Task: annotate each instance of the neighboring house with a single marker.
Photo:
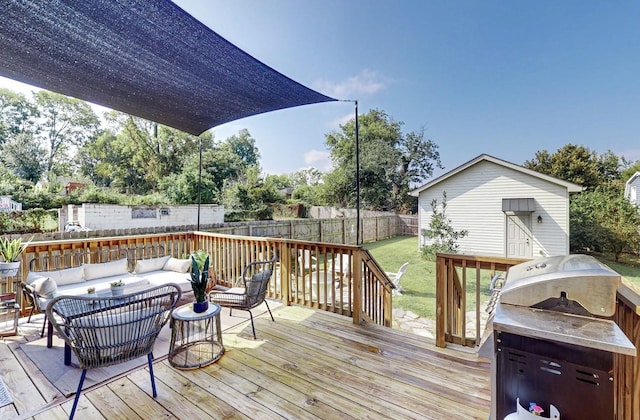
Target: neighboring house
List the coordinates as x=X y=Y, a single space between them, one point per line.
x=508 y=210
x=7 y=204
x=632 y=188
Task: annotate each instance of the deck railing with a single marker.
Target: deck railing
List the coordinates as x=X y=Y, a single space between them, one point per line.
x=317 y=275
x=461 y=277
x=462 y=283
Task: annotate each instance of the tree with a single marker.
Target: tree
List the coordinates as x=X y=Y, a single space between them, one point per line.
x=389 y=163
x=17 y=115
x=134 y=155
x=66 y=123
x=603 y=220
x=579 y=165
x=24 y=156
x=248 y=197
x=440 y=231
x=243 y=146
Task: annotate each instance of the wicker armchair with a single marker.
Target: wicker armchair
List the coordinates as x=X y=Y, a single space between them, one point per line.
x=104 y=331
x=255 y=277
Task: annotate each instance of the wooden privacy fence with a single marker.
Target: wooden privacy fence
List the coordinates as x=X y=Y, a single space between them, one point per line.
x=337 y=230
x=343 y=279
x=461 y=278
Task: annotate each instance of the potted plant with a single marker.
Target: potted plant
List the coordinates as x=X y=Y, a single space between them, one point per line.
x=199 y=279
x=117 y=288
x=10 y=251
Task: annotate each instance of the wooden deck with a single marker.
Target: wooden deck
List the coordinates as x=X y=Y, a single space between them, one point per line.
x=308 y=364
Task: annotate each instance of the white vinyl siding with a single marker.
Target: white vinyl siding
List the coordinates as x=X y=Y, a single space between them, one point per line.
x=474 y=203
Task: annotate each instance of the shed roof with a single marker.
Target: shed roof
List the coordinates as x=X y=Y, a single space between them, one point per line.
x=147 y=58
x=570 y=186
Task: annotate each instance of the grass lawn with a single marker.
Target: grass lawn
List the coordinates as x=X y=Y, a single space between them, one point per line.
x=419 y=281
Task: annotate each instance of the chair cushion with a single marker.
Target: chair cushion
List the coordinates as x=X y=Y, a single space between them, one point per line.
x=107 y=269
x=177 y=265
x=109 y=334
x=257 y=281
x=44 y=286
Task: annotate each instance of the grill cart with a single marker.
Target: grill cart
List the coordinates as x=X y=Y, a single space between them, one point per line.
x=554 y=340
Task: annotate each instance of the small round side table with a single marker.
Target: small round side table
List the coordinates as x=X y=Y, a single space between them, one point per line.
x=196 y=338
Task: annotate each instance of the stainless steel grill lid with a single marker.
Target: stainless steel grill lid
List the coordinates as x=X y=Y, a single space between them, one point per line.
x=578 y=278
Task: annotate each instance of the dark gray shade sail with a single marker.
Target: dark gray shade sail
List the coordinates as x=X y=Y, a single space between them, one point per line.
x=147 y=58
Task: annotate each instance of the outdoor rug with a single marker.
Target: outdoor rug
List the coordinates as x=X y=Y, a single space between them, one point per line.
x=50 y=361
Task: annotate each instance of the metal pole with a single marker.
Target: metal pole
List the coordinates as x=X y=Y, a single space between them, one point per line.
x=199 y=183
x=358 y=241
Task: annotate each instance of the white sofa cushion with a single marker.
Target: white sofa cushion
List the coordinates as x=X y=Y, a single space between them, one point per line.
x=103 y=285
x=107 y=269
x=152 y=264
x=158 y=278
x=61 y=277
x=178 y=265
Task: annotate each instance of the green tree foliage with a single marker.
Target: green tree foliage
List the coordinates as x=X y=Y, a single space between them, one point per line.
x=390 y=162
x=24 y=156
x=66 y=123
x=603 y=220
x=578 y=164
x=17 y=114
x=135 y=155
x=443 y=237
x=244 y=147
x=249 y=197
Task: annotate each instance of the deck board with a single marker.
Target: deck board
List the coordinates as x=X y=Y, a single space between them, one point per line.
x=306 y=365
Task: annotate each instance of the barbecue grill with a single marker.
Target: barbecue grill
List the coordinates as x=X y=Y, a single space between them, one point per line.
x=554 y=340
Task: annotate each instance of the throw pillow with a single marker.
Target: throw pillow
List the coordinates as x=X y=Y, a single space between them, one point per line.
x=177 y=265
x=34 y=275
x=107 y=269
x=68 y=276
x=152 y=264
x=44 y=286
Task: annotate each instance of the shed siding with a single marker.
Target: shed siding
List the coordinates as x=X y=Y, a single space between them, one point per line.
x=474 y=203
x=634 y=191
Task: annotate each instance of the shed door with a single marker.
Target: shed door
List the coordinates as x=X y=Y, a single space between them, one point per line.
x=518 y=236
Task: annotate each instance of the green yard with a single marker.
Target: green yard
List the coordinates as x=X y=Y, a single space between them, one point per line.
x=419 y=281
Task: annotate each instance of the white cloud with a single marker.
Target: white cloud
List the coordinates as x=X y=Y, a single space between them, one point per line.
x=336 y=123
x=367 y=82
x=319 y=159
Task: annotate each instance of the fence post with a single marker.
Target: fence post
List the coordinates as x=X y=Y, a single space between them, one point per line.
x=441 y=285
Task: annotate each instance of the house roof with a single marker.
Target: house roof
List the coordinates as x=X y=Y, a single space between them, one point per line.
x=570 y=186
x=147 y=58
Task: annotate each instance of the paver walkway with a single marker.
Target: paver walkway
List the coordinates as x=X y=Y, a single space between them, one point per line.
x=426 y=327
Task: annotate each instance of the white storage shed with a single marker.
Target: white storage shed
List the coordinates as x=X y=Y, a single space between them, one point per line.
x=508 y=210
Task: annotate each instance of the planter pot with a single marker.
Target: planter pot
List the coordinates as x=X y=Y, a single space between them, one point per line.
x=9 y=268
x=200 y=306
x=117 y=290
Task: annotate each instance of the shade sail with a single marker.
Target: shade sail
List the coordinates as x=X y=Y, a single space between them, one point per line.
x=147 y=58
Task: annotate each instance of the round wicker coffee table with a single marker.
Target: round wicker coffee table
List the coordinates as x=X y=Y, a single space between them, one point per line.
x=196 y=338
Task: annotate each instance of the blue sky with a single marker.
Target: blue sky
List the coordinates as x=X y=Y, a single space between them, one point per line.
x=499 y=77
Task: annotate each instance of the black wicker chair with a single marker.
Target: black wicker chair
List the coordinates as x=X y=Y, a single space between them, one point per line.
x=255 y=277
x=104 y=331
